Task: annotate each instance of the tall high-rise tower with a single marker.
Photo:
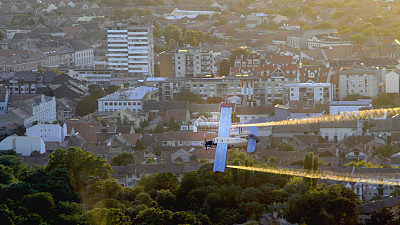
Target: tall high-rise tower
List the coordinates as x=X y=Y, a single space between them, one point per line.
x=131 y=48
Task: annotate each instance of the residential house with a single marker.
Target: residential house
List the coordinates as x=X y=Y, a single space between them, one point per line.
x=24 y=110
x=367 y=209
x=181 y=156
x=131 y=98
x=338 y=130
x=299 y=38
x=183 y=138
x=365 y=144
x=26 y=82
x=348 y=107
x=50 y=8
x=130 y=175
x=291 y=130
x=23 y=145
x=127 y=142
x=246 y=114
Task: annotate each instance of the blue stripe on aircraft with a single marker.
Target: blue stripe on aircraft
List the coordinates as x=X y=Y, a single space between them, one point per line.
x=223 y=131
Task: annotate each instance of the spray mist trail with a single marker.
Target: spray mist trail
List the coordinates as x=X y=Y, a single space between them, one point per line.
x=327 y=175
x=350 y=116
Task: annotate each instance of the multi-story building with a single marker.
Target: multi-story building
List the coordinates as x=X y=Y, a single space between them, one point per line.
x=193 y=62
x=26 y=109
x=84 y=56
x=26 y=82
x=309 y=93
x=362 y=81
x=131 y=98
x=131 y=48
x=299 y=38
x=101 y=77
x=328 y=41
x=57 y=53
x=21 y=60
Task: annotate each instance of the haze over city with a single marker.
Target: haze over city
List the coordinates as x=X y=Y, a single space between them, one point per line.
x=199 y=112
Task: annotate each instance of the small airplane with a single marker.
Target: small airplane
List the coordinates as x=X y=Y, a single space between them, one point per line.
x=223 y=141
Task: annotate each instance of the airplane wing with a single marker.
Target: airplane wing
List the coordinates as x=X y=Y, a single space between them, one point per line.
x=223 y=131
x=251 y=144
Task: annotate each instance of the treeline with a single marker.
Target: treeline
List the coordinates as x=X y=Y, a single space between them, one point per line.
x=76 y=187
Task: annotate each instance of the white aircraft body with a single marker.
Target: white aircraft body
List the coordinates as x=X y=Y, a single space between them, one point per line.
x=223 y=141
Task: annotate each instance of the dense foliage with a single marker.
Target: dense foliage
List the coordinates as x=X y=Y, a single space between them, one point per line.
x=76 y=187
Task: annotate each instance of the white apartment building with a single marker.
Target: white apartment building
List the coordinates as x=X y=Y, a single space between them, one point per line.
x=45 y=109
x=308 y=92
x=193 y=62
x=131 y=48
x=360 y=81
x=131 y=98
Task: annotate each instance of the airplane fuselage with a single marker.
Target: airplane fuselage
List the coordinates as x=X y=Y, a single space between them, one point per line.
x=232 y=142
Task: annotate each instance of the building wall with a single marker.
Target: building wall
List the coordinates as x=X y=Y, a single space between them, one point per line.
x=329 y=133
x=392 y=82
x=167 y=67
x=48 y=132
x=3 y=100
x=84 y=58
x=304 y=92
x=23 y=145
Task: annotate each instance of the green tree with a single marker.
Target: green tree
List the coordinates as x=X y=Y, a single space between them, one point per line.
x=186 y=95
x=159 y=181
x=214 y=100
x=285 y=147
x=289 y=12
x=165 y=199
x=383 y=217
x=324 y=25
x=6 y=175
x=43 y=199
x=159 y=128
x=138 y=145
x=80 y=166
x=173 y=125
x=237 y=52
x=171 y=32
x=123 y=159
x=100 y=216
x=45 y=90
x=382 y=100
x=325 y=205
x=224 y=68
x=358 y=39
x=193 y=37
